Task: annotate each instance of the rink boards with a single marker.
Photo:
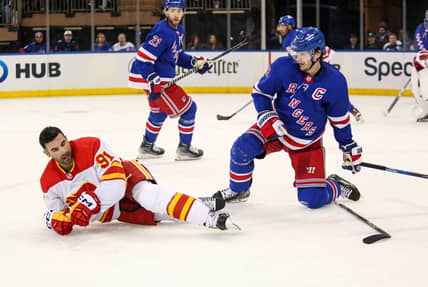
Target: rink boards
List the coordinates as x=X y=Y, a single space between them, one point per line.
x=33 y=75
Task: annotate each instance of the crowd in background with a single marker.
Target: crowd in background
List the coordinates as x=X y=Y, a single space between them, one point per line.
x=102 y=44
x=382 y=39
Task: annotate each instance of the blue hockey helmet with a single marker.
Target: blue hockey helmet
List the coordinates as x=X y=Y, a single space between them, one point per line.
x=287 y=20
x=174 y=3
x=308 y=39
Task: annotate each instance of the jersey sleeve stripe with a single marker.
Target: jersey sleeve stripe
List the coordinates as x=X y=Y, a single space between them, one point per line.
x=117 y=164
x=340 y=122
x=256 y=90
x=145 y=56
x=112 y=176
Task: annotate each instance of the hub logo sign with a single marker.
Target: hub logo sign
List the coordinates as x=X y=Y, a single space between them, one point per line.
x=3 y=71
x=33 y=70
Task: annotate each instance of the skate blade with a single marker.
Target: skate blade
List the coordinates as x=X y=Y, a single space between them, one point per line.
x=186 y=158
x=148 y=156
x=230 y=225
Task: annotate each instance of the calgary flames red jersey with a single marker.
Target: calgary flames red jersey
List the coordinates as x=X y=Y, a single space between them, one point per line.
x=95 y=168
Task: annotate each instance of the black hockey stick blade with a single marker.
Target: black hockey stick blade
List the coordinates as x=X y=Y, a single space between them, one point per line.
x=223 y=118
x=375 y=238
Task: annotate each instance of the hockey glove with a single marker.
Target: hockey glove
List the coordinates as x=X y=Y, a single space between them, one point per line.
x=421 y=60
x=351 y=157
x=270 y=124
x=59 y=220
x=87 y=204
x=155 y=86
x=201 y=65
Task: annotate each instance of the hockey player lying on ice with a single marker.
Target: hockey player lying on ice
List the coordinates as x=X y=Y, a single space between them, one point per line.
x=85 y=181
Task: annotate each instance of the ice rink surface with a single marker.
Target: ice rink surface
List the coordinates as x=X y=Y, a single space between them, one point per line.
x=282 y=243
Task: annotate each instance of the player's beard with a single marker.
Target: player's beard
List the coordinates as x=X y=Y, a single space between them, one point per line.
x=66 y=160
x=174 y=21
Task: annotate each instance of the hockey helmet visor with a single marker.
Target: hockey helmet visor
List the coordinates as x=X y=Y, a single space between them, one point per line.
x=307 y=39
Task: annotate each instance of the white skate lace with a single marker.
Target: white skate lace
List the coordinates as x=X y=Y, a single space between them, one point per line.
x=211 y=220
x=346 y=192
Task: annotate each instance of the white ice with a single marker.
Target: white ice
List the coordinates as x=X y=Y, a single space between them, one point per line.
x=282 y=243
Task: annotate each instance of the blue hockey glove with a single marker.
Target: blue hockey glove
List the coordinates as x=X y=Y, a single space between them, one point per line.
x=155 y=86
x=352 y=157
x=270 y=124
x=201 y=65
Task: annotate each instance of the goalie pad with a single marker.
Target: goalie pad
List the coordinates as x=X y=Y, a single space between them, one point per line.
x=419 y=81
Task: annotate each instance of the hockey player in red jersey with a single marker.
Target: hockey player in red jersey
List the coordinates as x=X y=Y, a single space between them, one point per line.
x=85 y=181
x=154 y=66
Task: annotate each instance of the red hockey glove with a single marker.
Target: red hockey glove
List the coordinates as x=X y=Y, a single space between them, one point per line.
x=87 y=204
x=59 y=221
x=155 y=86
x=352 y=157
x=201 y=65
x=270 y=124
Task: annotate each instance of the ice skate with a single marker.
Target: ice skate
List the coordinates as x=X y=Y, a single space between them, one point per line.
x=231 y=196
x=220 y=221
x=213 y=203
x=358 y=116
x=148 y=150
x=349 y=190
x=423 y=119
x=188 y=152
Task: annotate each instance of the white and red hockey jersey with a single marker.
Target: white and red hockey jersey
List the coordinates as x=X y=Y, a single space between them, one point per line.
x=95 y=168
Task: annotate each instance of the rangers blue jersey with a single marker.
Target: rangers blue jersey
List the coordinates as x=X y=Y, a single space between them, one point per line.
x=421 y=37
x=35 y=47
x=304 y=103
x=160 y=53
x=288 y=39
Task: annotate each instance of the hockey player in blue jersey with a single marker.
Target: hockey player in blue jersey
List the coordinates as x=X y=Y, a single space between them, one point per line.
x=286 y=28
x=421 y=34
x=154 y=66
x=294 y=100
x=419 y=75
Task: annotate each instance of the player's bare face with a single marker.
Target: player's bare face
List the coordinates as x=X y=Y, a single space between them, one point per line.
x=282 y=29
x=174 y=16
x=60 y=150
x=303 y=59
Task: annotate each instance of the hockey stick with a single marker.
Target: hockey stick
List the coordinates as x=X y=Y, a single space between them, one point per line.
x=384 y=168
x=220 y=117
x=371 y=238
x=184 y=75
x=397 y=97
